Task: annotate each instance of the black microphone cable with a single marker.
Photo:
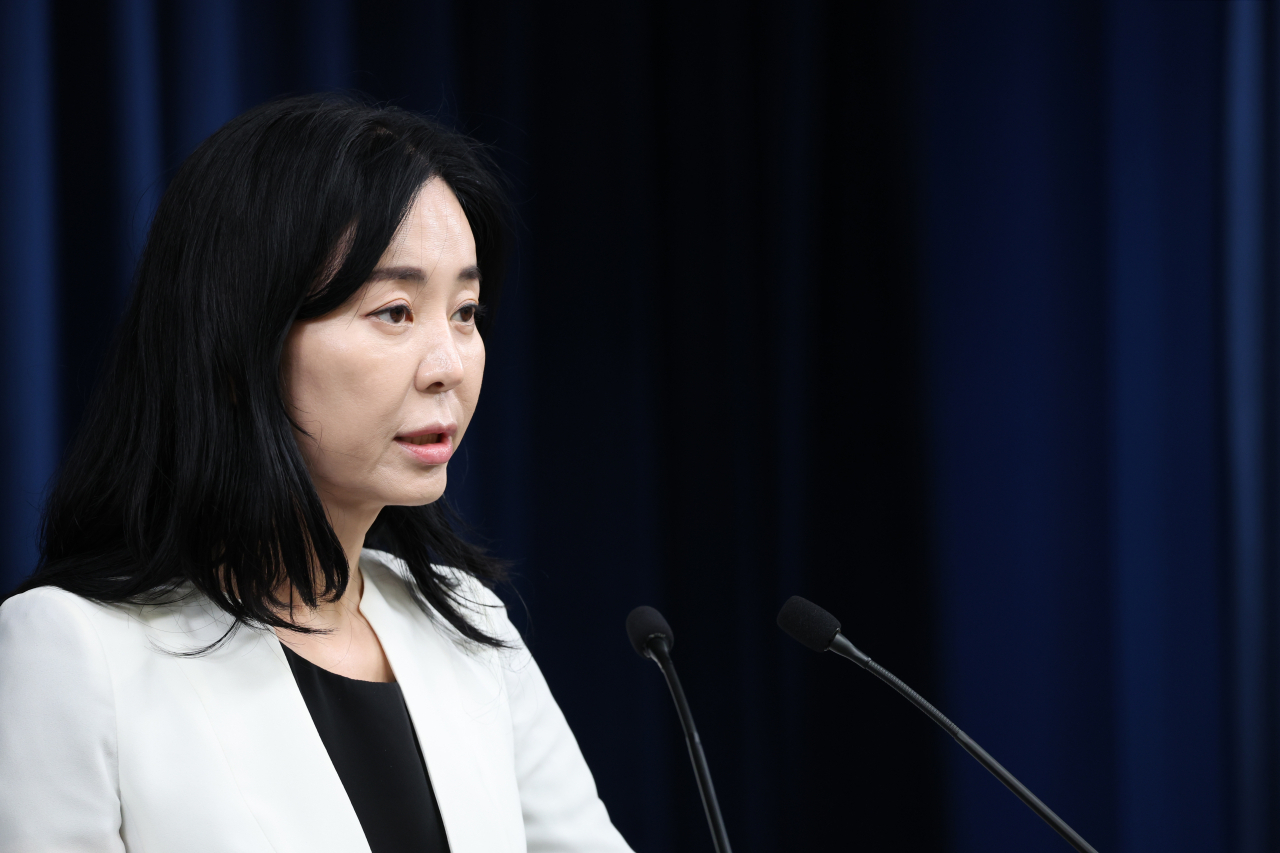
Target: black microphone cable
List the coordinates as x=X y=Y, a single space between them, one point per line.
x=651 y=637
x=815 y=628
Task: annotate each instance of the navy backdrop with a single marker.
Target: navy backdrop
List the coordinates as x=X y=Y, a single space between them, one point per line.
x=960 y=319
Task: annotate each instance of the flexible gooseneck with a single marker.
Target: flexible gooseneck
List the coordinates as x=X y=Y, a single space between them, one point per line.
x=817 y=629
x=660 y=654
x=652 y=638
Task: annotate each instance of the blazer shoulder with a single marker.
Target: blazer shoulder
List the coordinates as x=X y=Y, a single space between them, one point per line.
x=53 y=617
x=47 y=630
x=58 y=741
x=51 y=610
x=42 y=597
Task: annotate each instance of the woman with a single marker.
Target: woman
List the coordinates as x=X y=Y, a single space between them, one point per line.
x=208 y=657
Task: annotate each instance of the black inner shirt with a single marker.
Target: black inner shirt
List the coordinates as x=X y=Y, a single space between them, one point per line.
x=366 y=728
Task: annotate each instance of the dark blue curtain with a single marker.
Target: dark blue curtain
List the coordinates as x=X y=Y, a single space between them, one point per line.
x=27 y=227
x=960 y=319
x=1251 y=306
x=1080 y=403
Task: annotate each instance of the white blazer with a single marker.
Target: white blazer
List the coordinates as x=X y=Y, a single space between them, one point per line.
x=110 y=742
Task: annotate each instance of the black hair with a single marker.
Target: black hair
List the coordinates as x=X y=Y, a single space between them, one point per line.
x=185 y=468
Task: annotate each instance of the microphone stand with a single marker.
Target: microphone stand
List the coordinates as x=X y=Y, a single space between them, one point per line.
x=657 y=649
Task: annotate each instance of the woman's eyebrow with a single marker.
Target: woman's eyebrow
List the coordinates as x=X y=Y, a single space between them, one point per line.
x=471 y=273
x=397 y=274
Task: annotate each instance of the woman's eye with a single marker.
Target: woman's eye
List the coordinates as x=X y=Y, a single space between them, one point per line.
x=466 y=314
x=395 y=314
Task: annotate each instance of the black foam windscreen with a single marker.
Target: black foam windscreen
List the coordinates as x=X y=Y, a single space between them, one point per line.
x=808 y=623
x=645 y=622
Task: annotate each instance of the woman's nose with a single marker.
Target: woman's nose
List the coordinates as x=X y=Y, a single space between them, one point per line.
x=441 y=367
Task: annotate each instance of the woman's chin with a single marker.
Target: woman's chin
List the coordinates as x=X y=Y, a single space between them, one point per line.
x=421 y=494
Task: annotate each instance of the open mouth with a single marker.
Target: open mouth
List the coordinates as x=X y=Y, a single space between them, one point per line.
x=429 y=438
x=429 y=448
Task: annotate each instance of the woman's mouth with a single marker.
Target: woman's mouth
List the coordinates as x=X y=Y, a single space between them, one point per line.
x=430 y=448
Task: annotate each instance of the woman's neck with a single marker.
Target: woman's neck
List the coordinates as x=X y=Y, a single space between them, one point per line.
x=329 y=614
x=343 y=640
x=351 y=523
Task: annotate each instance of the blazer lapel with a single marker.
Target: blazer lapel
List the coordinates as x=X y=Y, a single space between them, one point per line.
x=280 y=764
x=457 y=701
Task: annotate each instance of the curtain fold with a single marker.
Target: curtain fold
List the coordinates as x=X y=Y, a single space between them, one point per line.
x=32 y=316
x=1170 y=672
x=1251 y=315
x=137 y=106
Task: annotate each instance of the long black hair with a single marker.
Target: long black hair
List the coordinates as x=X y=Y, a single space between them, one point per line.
x=185 y=468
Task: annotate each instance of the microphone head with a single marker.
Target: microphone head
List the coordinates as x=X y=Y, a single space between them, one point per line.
x=808 y=624
x=643 y=623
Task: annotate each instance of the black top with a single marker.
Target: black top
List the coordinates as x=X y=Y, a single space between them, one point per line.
x=366 y=728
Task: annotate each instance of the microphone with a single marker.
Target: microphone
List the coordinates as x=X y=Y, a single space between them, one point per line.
x=651 y=637
x=817 y=629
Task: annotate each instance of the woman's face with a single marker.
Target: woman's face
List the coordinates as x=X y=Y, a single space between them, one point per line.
x=385 y=386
